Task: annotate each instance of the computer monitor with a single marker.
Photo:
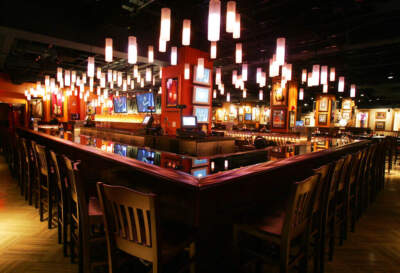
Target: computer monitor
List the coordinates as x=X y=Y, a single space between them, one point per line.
x=189 y=122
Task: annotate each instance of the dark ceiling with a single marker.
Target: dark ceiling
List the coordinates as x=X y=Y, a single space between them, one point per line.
x=361 y=38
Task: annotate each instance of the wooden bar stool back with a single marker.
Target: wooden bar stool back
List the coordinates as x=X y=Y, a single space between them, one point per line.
x=132 y=225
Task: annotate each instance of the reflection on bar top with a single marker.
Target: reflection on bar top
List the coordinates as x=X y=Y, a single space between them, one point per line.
x=204 y=165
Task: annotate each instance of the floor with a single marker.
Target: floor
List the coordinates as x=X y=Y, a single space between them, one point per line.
x=26 y=245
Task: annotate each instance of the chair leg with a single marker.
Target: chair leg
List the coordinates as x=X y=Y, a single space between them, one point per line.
x=50 y=208
x=332 y=238
x=40 y=204
x=192 y=254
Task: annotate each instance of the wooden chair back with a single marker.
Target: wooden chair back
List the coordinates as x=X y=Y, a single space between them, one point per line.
x=57 y=175
x=300 y=206
x=25 y=151
x=344 y=174
x=43 y=164
x=355 y=167
x=70 y=171
x=322 y=188
x=130 y=219
x=336 y=174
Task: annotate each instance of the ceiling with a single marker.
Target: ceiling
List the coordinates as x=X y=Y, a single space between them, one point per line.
x=361 y=38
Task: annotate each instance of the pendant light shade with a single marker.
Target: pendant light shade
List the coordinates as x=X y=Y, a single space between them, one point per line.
x=332 y=74
x=341 y=84
x=103 y=81
x=200 y=68
x=353 y=91
x=301 y=94
x=221 y=89
x=47 y=80
x=73 y=76
x=98 y=73
x=324 y=74
x=218 y=75
x=310 y=79
x=288 y=73
x=186 y=32
x=174 y=55
x=315 y=75
x=141 y=82
x=263 y=79
x=213 y=50
x=261 y=95
x=150 y=54
x=244 y=93
x=160 y=72
x=244 y=72
x=230 y=16
x=228 y=97
x=214 y=94
x=304 y=75
x=214 y=20
x=325 y=88
x=109 y=50
x=132 y=84
x=119 y=79
x=258 y=75
x=187 y=72
x=236 y=29
x=59 y=74
x=67 y=79
x=90 y=67
x=148 y=74
x=132 y=50
x=165 y=32
x=280 y=51
x=238 y=57
x=162 y=45
x=234 y=77
x=135 y=71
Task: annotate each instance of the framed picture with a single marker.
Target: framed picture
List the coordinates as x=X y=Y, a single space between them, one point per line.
x=279 y=97
x=205 y=80
x=346 y=115
x=346 y=105
x=199 y=162
x=36 y=107
x=380 y=115
x=201 y=95
x=307 y=122
x=323 y=105
x=240 y=118
x=172 y=92
x=323 y=119
x=201 y=112
x=57 y=106
x=380 y=125
x=279 y=119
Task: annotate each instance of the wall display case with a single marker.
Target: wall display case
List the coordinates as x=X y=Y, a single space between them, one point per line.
x=201 y=95
x=323 y=105
x=322 y=119
x=380 y=115
x=380 y=125
x=172 y=92
x=279 y=118
x=36 y=108
x=205 y=80
x=202 y=113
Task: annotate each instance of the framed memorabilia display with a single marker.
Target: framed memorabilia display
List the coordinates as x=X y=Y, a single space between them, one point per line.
x=380 y=115
x=346 y=105
x=57 y=106
x=36 y=107
x=199 y=162
x=307 y=122
x=172 y=92
x=279 y=119
x=120 y=104
x=380 y=125
x=292 y=119
x=323 y=105
x=240 y=118
x=323 y=119
x=201 y=112
x=201 y=95
x=363 y=120
x=279 y=97
x=346 y=115
x=205 y=80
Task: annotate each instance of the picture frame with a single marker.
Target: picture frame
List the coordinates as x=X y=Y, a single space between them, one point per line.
x=36 y=108
x=323 y=105
x=172 y=92
x=346 y=115
x=346 y=105
x=278 y=118
x=205 y=80
x=201 y=95
x=307 y=121
x=240 y=118
x=380 y=125
x=202 y=113
x=322 y=119
x=279 y=97
x=57 y=106
x=380 y=115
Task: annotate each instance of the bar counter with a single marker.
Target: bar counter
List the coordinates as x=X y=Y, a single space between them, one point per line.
x=209 y=204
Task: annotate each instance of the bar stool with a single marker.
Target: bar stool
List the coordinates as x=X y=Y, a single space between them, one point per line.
x=36 y=173
x=353 y=187
x=44 y=186
x=61 y=203
x=84 y=216
x=27 y=170
x=286 y=229
x=132 y=225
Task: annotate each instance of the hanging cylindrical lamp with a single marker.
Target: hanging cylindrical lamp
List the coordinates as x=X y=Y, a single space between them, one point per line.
x=90 y=67
x=148 y=74
x=109 y=50
x=161 y=72
x=230 y=16
x=98 y=74
x=162 y=45
x=288 y=69
x=141 y=82
x=228 y=97
x=214 y=20
x=325 y=88
x=73 y=76
x=301 y=94
x=280 y=50
x=218 y=75
x=119 y=79
x=234 y=77
x=187 y=72
x=67 y=77
x=315 y=74
x=109 y=75
x=165 y=32
x=186 y=32
x=132 y=50
x=324 y=74
x=236 y=27
x=238 y=54
x=200 y=68
x=244 y=72
x=214 y=94
x=150 y=54
x=258 y=75
x=132 y=84
x=174 y=55
x=309 y=79
x=244 y=93
x=47 y=80
x=260 y=95
x=115 y=76
x=135 y=71
x=263 y=79
x=304 y=75
x=84 y=78
x=59 y=74
x=124 y=86
x=332 y=74
x=341 y=84
x=353 y=91
x=213 y=50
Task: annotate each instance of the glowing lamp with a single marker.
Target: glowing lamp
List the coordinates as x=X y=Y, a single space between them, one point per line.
x=59 y=74
x=187 y=71
x=200 y=67
x=174 y=55
x=301 y=94
x=214 y=20
x=213 y=50
x=280 y=50
x=325 y=88
x=244 y=93
x=238 y=56
x=162 y=45
x=119 y=79
x=67 y=77
x=109 y=50
x=214 y=94
x=332 y=74
x=228 y=97
x=234 y=77
x=341 y=84
x=132 y=50
x=304 y=75
x=150 y=54
x=324 y=74
x=186 y=32
x=244 y=72
x=236 y=30
x=47 y=80
x=165 y=32
x=90 y=67
x=258 y=75
x=218 y=75
x=148 y=74
x=230 y=16
x=261 y=95
x=309 y=79
x=315 y=75
x=353 y=91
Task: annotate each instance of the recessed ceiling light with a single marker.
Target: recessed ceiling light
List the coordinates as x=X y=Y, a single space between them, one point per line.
x=390 y=77
x=362 y=95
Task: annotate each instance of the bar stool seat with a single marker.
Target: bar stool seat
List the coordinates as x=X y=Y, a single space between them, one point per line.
x=271 y=224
